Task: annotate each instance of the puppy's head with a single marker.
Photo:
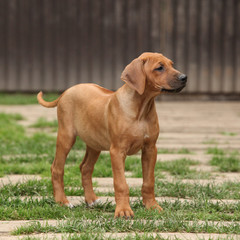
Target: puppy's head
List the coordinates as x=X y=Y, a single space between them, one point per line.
x=155 y=72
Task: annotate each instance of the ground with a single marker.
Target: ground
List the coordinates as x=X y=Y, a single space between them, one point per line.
x=197 y=178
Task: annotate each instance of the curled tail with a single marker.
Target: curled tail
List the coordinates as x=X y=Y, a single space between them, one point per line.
x=45 y=103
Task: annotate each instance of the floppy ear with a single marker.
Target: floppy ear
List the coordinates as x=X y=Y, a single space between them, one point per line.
x=134 y=76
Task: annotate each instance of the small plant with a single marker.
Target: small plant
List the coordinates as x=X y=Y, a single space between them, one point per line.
x=215 y=151
x=226 y=164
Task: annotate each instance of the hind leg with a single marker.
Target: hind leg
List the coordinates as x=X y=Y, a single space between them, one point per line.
x=86 y=168
x=65 y=141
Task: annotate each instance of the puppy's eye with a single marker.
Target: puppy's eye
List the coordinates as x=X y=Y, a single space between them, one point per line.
x=160 y=69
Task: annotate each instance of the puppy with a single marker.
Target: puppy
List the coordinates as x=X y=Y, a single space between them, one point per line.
x=122 y=122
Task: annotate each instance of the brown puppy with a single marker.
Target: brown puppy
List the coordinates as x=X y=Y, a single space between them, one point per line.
x=123 y=122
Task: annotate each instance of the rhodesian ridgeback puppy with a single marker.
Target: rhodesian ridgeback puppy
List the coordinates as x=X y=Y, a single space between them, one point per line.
x=122 y=122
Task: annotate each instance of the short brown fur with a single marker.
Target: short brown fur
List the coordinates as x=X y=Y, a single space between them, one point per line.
x=122 y=122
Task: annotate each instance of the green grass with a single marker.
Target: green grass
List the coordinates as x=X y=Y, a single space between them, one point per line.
x=24 y=99
x=101 y=225
x=210 y=141
x=34 y=154
x=43 y=123
x=232 y=134
x=180 y=151
x=102 y=236
x=215 y=151
x=46 y=208
x=226 y=163
x=179 y=189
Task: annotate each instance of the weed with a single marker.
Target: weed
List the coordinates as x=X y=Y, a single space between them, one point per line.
x=226 y=164
x=229 y=134
x=180 y=151
x=23 y=99
x=43 y=123
x=215 y=151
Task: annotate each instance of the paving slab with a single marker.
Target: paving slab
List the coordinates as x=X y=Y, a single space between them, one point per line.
x=13 y=179
x=166 y=235
x=77 y=200
x=6 y=227
x=200 y=157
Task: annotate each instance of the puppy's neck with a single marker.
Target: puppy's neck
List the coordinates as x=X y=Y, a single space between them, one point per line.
x=135 y=105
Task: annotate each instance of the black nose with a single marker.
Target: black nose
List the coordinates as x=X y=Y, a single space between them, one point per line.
x=182 y=78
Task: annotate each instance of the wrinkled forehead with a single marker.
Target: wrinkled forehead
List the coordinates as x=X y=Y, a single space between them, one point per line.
x=157 y=58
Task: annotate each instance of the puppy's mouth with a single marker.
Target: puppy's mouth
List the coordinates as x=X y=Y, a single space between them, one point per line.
x=175 y=90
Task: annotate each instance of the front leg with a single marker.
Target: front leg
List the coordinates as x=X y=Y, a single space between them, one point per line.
x=149 y=157
x=123 y=208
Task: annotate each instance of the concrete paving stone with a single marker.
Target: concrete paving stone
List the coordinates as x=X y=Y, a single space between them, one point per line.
x=202 y=158
x=165 y=235
x=31 y=113
x=13 y=179
x=199 y=135
x=9 y=226
x=197 y=146
x=137 y=182
x=77 y=200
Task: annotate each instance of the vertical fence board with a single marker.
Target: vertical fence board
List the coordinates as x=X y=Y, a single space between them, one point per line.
x=156 y=26
x=24 y=45
x=121 y=15
x=96 y=43
x=71 y=43
x=49 y=21
x=36 y=28
x=216 y=46
x=12 y=78
x=236 y=48
x=228 y=60
x=204 y=47
x=131 y=19
x=84 y=41
x=181 y=30
x=192 y=46
x=3 y=51
x=108 y=21
x=170 y=29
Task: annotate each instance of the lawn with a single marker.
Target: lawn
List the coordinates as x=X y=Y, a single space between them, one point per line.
x=23 y=153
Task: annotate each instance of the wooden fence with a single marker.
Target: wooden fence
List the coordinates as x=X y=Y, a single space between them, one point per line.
x=53 y=44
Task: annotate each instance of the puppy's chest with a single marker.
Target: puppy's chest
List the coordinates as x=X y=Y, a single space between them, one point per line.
x=140 y=134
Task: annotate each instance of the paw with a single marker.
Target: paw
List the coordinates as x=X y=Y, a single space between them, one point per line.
x=94 y=203
x=153 y=205
x=123 y=212
x=70 y=205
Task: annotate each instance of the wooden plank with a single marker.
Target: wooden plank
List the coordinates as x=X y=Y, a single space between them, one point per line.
x=12 y=40
x=71 y=43
x=163 y=20
x=228 y=44
x=181 y=34
x=216 y=46
x=24 y=46
x=84 y=44
x=170 y=28
x=96 y=42
x=122 y=12
x=108 y=44
x=157 y=26
x=3 y=52
x=49 y=24
x=204 y=47
x=131 y=15
x=36 y=77
x=193 y=41
x=61 y=49
x=236 y=66
x=144 y=27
